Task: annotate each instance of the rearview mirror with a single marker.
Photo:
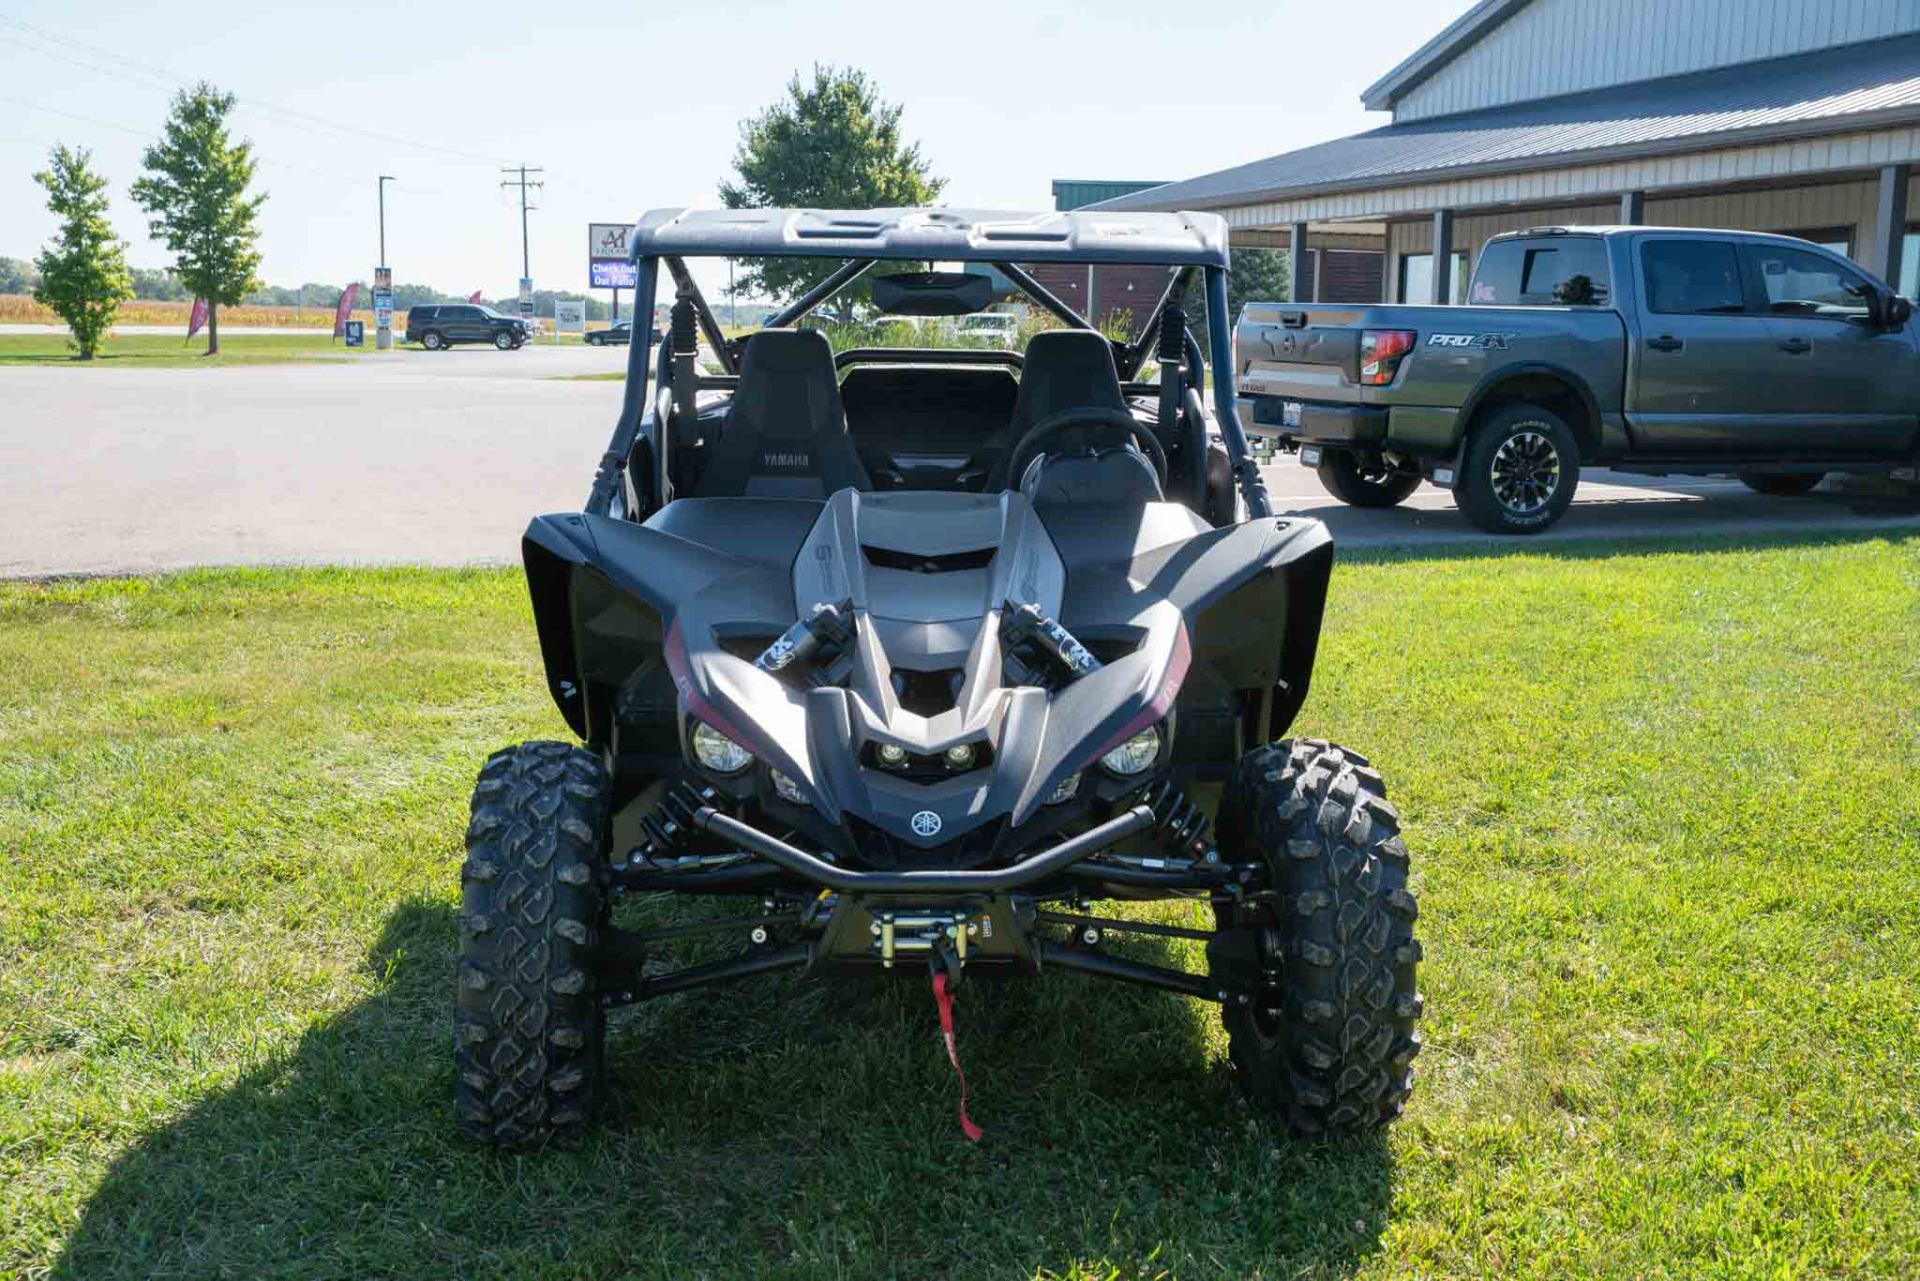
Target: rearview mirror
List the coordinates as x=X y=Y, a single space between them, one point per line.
x=932 y=293
x=1895 y=312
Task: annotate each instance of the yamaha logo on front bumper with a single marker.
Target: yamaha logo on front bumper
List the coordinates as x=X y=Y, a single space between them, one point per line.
x=926 y=823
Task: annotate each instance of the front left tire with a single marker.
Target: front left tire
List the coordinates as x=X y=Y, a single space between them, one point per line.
x=505 y=342
x=1327 y=1044
x=530 y=1030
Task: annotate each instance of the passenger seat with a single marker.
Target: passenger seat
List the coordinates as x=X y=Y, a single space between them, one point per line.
x=785 y=435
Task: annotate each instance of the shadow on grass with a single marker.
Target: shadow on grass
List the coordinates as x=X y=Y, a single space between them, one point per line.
x=778 y=1128
x=1601 y=547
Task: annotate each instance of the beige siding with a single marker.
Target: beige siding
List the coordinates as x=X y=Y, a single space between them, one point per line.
x=1847 y=205
x=1541 y=188
x=1554 y=47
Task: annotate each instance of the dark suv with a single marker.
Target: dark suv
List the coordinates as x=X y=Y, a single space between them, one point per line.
x=443 y=325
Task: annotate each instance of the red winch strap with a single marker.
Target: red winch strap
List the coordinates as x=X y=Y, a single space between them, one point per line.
x=944 y=999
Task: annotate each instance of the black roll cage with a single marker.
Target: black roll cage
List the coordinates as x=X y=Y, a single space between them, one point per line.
x=637 y=407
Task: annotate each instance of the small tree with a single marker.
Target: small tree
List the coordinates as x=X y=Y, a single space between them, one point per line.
x=1256 y=275
x=195 y=192
x=83 y=271
x=832 y=144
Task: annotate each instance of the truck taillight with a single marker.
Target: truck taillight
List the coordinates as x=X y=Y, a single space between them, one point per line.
x=1381 y=351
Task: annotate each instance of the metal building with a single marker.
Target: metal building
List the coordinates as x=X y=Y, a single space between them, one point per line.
x=1796 y=116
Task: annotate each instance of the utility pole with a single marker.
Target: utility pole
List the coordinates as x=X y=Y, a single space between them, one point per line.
x=525 y=184
x=385 y=178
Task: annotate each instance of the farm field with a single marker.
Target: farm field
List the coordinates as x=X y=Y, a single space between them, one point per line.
x=1667 y=841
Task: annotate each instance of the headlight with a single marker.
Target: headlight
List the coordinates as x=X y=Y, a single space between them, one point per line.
x=1135 y=756
x=717 y=752
x=786 y=789
x=1065 y=790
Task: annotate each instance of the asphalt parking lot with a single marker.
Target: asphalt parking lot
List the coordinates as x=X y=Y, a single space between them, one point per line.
x=440 y=458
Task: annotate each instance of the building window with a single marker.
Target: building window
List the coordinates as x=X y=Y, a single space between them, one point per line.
x=1416 y=278
x=1838 y=239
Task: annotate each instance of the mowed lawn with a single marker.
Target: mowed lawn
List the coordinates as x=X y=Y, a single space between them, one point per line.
x=153 y=351
x=1665 y=807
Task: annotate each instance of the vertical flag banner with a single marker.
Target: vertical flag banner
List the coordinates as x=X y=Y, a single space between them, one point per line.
x=344 y=306
x=475 y=297
x=196 y=318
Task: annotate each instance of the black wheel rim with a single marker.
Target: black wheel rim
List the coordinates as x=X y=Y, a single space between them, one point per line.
x=1525 y=472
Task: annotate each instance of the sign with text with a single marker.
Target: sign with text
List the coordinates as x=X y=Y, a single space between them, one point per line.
x=613 y=274
x=607 y=240
x=569 y=316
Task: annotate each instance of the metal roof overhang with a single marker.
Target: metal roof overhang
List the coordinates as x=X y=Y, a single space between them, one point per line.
x=1175 y=239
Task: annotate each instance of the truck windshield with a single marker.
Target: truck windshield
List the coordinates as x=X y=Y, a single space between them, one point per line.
x=1547 y=271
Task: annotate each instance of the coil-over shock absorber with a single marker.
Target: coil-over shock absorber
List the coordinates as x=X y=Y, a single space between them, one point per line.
x=1181 y=824
x=666 y=828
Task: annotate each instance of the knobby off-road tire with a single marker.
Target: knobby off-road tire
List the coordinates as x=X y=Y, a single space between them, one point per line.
x=1328 y=1046
x=1782 y=485
x=529 y=1028
x=1359 y=483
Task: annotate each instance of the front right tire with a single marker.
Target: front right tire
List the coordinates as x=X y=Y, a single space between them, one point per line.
x=530 y=1030
x=1327 y=1044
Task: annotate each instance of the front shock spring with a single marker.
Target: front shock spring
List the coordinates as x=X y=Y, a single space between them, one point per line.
x=1182 y=823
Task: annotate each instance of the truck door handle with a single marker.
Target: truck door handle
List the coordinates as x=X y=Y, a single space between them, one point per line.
x=1665 y=342
x=1796 y=346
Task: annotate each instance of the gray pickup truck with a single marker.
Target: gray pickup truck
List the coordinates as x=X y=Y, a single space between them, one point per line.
x=1645 y=349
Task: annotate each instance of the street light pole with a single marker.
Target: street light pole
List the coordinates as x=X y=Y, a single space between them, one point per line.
x=385 y=178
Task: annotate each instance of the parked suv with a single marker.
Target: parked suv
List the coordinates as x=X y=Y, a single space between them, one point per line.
x=445 y=325
x=1655 y=350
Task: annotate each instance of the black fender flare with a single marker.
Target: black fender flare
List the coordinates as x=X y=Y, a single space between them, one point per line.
x=1589 y=434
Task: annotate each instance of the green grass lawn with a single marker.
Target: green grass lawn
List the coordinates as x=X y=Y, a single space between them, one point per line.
x=150 y=351
x=1665 y=808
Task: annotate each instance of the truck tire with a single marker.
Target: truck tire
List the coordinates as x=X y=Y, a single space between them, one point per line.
x=1782 y=484
x=1357 y=482
x=529 y=1030
x=1519 y=470
x=1327 y=1045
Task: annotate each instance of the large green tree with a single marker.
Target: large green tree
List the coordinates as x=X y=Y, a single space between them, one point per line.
x=831 y=143
x=195 y=192
x=83 y=270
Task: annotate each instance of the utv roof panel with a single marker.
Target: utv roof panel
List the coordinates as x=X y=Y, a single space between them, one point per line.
x=942 y=235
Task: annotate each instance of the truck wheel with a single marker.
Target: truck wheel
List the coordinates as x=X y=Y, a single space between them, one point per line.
x=529 y=1029
x=504 y=342
x=432 y=340
x=1361 y=482
x=1327 y=1044
x=1518 y=472
x=1782 y=485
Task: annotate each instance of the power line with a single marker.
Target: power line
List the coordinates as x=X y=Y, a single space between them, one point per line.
x=153 y=76
x=524 y=184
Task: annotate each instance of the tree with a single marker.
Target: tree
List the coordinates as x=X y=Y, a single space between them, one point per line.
x=1257 y=275
x=83 y=271
x=833 y=143
x=156 y=285
x=196 y=194
x=17 y=276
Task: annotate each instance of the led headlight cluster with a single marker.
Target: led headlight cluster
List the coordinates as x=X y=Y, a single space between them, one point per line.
x=1135 y=756
x=717 y=752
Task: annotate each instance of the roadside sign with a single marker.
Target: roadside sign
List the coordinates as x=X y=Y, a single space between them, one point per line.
x=607 y=240
x=356 y=333
x=526 y=298
x=613 y=273
x=383 y=278
x=569 y=316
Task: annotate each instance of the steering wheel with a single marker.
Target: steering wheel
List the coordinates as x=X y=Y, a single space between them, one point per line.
x=1037 y=437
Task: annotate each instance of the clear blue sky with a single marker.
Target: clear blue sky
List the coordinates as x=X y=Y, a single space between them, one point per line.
x=632 y=106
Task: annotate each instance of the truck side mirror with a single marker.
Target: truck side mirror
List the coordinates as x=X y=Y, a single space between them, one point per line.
x=1895 y=312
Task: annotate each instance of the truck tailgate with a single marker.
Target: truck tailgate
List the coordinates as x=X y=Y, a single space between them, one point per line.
x=1309 y=352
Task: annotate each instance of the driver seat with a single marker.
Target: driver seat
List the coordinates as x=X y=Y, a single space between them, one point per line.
x=1073 y=369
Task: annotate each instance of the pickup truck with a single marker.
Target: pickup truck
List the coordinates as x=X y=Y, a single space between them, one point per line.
x=1646 y=349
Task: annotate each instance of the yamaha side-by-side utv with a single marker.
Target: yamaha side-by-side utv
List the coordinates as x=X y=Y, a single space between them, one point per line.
x=921 y=654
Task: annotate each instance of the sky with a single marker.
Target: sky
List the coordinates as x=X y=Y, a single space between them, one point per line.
x=629 y=107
